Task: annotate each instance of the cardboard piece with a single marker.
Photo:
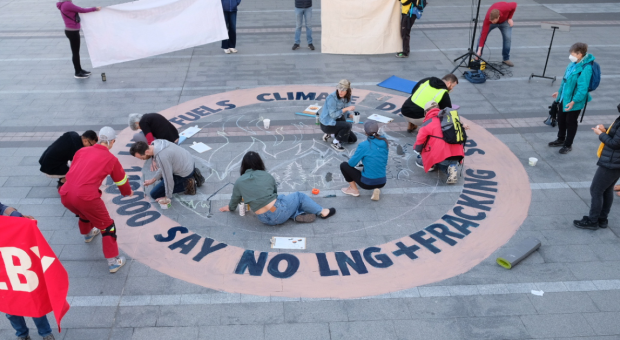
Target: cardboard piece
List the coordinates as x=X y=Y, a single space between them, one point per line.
x=200 y=147
x=312 y=109
x=288 y=242
x=190 y=132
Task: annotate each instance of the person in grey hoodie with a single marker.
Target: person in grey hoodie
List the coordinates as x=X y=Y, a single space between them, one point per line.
x=70 y=14
x=175 y=168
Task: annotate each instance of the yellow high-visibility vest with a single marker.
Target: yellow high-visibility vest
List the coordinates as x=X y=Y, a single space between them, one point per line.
x=426 y=93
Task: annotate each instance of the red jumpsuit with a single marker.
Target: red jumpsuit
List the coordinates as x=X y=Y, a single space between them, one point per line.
x=81 y=194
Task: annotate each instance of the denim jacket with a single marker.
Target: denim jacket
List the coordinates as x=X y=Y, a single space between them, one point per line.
x=332 y=110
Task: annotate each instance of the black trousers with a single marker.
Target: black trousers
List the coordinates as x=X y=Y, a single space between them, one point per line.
x=602 y=192
x=351 y=174
x=406 y=23
x=567 y=124
x=342 y=130
x=74 y=41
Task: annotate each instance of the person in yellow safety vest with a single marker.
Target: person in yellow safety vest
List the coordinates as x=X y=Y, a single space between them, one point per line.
x=427 y=89
x=407 y=19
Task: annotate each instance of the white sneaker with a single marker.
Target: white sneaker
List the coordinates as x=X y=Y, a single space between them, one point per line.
x=227 y=51
x=91 y=235
x=452 y=174
x=326 y=137
x=233 y=50
x=337 y=147
x=375 y=194
x=116 y=264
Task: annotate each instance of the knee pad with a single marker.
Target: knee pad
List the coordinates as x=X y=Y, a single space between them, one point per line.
x=109 y=231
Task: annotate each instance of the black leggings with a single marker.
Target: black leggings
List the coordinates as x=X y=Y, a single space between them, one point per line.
x=342 y=130
x=602 y=192
x=567 y=124
x=74 y=41
x=351 y=174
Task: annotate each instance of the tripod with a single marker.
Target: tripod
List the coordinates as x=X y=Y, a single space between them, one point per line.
x=470 y=53
x=546 y=62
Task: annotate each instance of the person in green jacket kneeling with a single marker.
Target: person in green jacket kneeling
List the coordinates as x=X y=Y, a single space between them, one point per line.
x=573 y=95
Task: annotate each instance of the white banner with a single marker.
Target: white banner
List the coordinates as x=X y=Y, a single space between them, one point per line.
x=145 y=28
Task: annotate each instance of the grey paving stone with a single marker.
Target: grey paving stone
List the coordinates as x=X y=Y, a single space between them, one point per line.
x=302 y=331
x=492 y=327
x=557 y=325
x=606 y=300
x=188 y=315
x=88 y=333
x=431 y=291
x=161 y=333
x=499 y=305
x=250 y=313
x=438 y=307
x=121 y=333
x=604 y=323
x=315 y=311
x=137 y=316
x=232 y=332
x=567 y=302
x=427 y=329
x=376 y=309
x=362 y=330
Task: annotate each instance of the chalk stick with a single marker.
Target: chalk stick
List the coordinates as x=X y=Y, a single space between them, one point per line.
x=512 y=256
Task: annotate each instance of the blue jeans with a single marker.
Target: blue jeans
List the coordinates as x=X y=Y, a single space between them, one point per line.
x=231 y=25
x=290 y=206
x=179 y=186
x=19 y=324
x=302 y=13
x=506 y=36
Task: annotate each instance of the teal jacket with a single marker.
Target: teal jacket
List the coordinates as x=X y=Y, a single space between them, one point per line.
x=577 y=84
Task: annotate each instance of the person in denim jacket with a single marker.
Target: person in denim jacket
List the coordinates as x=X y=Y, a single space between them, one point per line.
x=334 y=115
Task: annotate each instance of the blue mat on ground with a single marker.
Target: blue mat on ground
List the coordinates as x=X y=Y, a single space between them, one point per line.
x=398 y=84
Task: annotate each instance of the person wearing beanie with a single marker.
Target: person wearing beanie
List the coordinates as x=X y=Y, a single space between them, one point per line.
x=153 y=126
x=55 y=159
x=373 y=153
x=81 y=195
x=333 y=117
x=71 y=17
x=427 y=89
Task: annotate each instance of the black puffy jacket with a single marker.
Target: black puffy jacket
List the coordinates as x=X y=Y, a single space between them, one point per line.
x=303 y=3
x=610 y=157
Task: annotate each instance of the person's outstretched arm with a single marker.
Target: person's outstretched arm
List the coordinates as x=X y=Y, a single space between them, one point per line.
x=71 y=7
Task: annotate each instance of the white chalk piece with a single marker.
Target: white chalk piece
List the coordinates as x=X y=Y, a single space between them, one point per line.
x=190 y=132
x=380 y=118
x=538 y=292
x=200 y=147
x=288 y=242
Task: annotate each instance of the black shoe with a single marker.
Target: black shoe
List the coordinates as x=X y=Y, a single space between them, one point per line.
x=310 y=46
x=81 y=75
x=86 y=72
x=565 y=149
x=59 y=184
x=190 y=187
x=557 y=142
x=200 y=180
x=585 y=223
x=332 y=212
x=337 y=147
x=603 y=223
x=295 y=47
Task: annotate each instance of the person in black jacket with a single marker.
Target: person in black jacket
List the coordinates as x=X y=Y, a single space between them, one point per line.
x=55 y=159
x=303 y=9
x=427 y=89
x=153 y=126
x=606 y=176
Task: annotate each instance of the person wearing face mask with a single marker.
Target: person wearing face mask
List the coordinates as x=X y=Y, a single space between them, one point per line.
x=572 y=95
x=333 y=117
x=426 y=90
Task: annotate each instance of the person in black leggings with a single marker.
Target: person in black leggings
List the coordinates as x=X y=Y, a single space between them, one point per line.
x=69 y=13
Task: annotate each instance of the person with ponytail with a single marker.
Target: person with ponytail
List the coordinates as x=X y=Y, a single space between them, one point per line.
x=373 y=153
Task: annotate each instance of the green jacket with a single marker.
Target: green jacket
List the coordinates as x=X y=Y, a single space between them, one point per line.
x=257 y=188
x=577 y=84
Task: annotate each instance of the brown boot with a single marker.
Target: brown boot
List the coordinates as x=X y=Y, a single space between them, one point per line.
x=411 y=127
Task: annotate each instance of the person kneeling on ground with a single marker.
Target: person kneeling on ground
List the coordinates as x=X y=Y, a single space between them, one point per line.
x=258 y=189
x=426 y=90
x=334 y=115
x=176 y=168
x=434 y=150
x=153 y=126
x=607 y=174
x=55 y=159
x=373 y=153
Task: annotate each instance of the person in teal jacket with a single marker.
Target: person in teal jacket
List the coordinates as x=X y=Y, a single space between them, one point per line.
x=373 y=153
x=572 y=95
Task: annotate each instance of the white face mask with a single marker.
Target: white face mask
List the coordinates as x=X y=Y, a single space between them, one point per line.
x=573 y=58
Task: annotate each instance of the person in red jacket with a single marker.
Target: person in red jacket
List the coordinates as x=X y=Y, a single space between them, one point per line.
x=81 y=195
x=434 y=151
x=499 y=16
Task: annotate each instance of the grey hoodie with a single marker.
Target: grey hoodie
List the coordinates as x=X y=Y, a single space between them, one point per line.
x=172 y=160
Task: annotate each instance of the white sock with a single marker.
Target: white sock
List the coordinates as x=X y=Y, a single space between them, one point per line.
x=336 y=141
x=333 y=136
x=111 y=261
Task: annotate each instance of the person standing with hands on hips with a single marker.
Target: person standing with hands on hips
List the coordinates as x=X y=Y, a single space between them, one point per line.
x=334 y=115
x=499 y=16
x=303 y=12
x=230 y=16
x=70 y=15
x=572 y=95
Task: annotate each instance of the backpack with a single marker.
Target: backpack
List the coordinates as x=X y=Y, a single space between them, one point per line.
x=451 y=126
x=595 y=81
x=417 y=8
x=475 y=77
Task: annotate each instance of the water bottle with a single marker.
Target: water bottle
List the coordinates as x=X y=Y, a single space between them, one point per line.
x=317 y=119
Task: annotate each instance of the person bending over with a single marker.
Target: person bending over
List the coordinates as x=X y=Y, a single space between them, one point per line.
x=55 y=159
x=426 y=90
x=499 y=16
x=176 y=168
x=258 y=189
x=373 y=153
x=434 y=150
x=153 y=126
x=81 y=195
x=334 y=115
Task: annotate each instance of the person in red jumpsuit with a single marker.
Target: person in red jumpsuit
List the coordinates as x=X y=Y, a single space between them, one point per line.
x=81 y=195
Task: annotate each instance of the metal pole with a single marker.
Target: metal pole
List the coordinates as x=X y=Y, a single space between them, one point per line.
x=548 y=53
x=473 y=38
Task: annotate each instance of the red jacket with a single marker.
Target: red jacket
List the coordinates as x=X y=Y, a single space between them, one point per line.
x=506 y=11
x=434 y=150
x=89 y=168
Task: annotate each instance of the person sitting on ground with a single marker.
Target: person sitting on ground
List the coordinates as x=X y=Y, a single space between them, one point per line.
x=55 y=159
x=153 y=126
x=434 y=151
x=426 y=90
x=373 y=153
x=258 y=188
x=176 y=168
x=607 y=174
x=334 y=115
x=499 y=16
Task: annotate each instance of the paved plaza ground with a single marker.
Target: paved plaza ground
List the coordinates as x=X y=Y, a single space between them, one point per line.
x=578 y=270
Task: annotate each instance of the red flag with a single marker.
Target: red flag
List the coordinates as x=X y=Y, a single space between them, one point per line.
x=33 y=282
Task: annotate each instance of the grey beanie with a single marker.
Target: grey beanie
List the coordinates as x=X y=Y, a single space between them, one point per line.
x=371 y=127
x=343 y=85
x=107 y=134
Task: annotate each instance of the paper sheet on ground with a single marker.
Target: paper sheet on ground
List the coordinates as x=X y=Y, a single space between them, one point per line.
x=288 y=242
x=200 y=147
x=360 y=26
x=380 y=118
x=141 y=29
